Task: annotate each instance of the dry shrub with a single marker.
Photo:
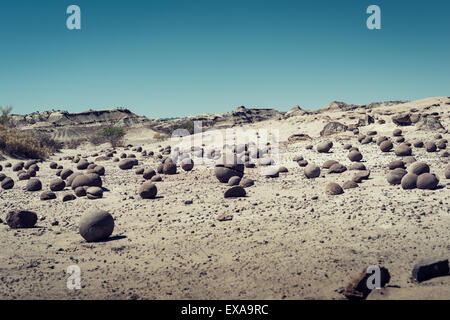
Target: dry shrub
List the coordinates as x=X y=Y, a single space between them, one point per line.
x=74 y=143
x=26 y=145
x=160 y=136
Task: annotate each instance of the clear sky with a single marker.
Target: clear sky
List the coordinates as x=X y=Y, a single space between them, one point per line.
x=170 y=58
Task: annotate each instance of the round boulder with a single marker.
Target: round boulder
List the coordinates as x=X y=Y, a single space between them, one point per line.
x=7 y=183
x=324 y=147
x=34 y=185
x=333 y=189
x=312 y=171
x=96 y=225
x=21 y=219
x=235 y=192
x=355 y=156
x=57 y=185
x=409 y=181
x=427 y=181
x=148 y=190
x=418 y=168
x=48 y=195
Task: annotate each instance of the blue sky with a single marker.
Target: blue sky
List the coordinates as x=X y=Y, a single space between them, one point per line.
x=175 y=58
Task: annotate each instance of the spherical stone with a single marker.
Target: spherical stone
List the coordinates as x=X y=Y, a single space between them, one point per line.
x=427 y=181
x=48 y=195
x=2 y=176
x=235 y=192
x=312 y=171
x=396 y=164
x=80 y=191
x=57 y=185
x=234 y=181
x=18 y=166
x=21 y=219
x=337 y=168
x=441 y=144
x=409 y=181
x=100 y=170
x=148 y=174
x=382 y=139
x=418 y=144
x=372 y=133
x=324 y=147
x=360 y=176
x=65 y=173
x=68 y=197
x=127 y=164
x=72 y=177
x=94 y=193
x=34 y=185
x=223 y=174
x=297 y=158
x=139 y=171
x=355 y=156
x=447 y=172
x=82 y=165
x=283 y=169
x=156 y=178
x=418 y=168
x=160 y=168
x=96 y=225
x=24 y=176
x=357 y=166
x=333 y=189
x=397 y=133
x=31 y=172
x=395 y=176
x=169 y=167
x=438 y=136
x=349 y=185
x=302 y=163
x=367 y=140
x=7 y=183
x=148 y=190
x=53 y=165
x=246 y=182
x=327 y=164
x=403 y=150
x=29 y=163
x=187 y=164
x=386 y=146
x=409 y=159
x=87 y=180
x=430 y=146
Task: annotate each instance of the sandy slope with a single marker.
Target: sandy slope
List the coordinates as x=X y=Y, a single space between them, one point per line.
x=281 y=243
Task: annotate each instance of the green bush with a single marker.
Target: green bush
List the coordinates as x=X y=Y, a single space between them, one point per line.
x=187 y=125
x=114 y=135
x=5 y=117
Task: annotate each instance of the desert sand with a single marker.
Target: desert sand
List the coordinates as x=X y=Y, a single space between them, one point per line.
x=287 y=239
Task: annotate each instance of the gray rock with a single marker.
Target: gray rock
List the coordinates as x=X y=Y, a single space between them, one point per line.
x=430 y=268
x=21 y=219
x=96 y=225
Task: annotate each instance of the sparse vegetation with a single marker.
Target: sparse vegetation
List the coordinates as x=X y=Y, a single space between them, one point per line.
x=74 y=143
x=25 y=144
x=187 y=125
x=32 y=145
x=5 y=117
x=112 y=134
x=160 y=136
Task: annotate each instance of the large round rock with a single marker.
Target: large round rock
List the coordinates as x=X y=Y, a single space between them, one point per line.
x=355 y=156
x=34 y=185
x=235 y=192
x=224 y=172
x=403 y=150
x=333 y=189
x=96 y=225
x=324 y=147
x=87 y=180
x=57 y=184
x=148 y=190
x=386 y=146
x=409 y=181
x=7 y=183
x=169 y=167
x=418 y=168
x=312 y=171
x=187 y=164
x=21 y=219
x=127 y=164
x=427 y=181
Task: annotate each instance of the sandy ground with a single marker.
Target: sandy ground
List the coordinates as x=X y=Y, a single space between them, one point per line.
x=282 y=243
